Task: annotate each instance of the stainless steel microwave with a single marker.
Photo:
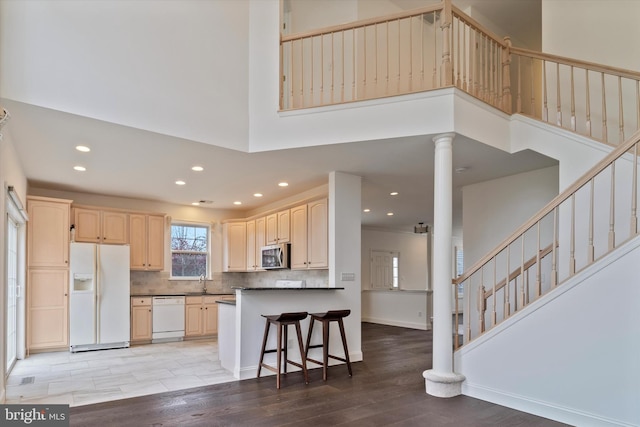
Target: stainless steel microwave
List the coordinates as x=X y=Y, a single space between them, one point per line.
x=275 y=256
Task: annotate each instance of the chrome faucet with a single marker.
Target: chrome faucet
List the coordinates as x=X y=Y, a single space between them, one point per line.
x=204 y=283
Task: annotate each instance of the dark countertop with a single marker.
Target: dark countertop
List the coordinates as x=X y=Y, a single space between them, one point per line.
x=227 y=301
x=249 y=288
x=185 y=294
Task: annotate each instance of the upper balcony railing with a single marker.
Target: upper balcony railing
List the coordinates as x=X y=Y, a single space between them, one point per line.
x=439 y=46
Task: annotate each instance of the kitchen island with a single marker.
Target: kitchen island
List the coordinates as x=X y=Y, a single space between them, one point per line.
x=241 y=325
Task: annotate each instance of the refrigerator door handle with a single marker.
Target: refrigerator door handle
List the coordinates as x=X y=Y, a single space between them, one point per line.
x=96 y=299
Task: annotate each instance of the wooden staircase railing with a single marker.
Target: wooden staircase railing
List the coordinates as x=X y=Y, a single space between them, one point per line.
x=597 y=214
x=440 y=46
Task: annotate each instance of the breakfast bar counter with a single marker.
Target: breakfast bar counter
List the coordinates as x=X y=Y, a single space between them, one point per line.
x=241 y=326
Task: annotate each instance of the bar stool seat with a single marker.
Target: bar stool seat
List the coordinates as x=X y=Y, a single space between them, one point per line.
x=326 y=319
x=282 y=322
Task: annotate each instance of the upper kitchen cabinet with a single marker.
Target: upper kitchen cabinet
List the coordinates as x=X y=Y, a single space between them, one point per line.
x=234 y=236
x=278 y=228
x=100 y=226
x=256 y=239
x=146 y=237
x=48 y=232
x=310 y=235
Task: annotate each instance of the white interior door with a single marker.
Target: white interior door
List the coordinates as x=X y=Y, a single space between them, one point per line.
x=381 y=269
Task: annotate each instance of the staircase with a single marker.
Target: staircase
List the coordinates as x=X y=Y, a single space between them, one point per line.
x=549 y=314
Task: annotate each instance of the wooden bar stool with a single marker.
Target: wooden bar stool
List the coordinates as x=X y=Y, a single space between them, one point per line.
x=282 y=322
x=326 y=319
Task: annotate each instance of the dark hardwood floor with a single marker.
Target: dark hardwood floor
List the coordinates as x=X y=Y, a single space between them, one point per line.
x=387 y=389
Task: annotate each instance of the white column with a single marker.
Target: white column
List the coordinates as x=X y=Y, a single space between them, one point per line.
x=441 y=381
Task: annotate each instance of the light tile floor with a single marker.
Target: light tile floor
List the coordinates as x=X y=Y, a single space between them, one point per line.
x=99 y=376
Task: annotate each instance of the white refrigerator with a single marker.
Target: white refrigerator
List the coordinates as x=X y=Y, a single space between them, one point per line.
x=99 y=297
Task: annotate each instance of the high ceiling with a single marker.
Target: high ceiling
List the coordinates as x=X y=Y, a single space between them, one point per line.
x=133 y=163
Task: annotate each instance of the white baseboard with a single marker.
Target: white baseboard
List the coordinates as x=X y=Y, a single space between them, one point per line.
x=539 y=408
x=410 y=325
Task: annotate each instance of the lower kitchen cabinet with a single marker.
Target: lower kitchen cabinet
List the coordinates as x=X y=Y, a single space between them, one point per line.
x=141 y=319
x=48 y=309
x=201 y=316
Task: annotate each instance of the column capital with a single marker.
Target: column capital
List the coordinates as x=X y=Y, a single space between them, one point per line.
x=444 y=136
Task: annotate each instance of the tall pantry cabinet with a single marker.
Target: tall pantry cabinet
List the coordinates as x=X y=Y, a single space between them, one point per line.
x=48 y=273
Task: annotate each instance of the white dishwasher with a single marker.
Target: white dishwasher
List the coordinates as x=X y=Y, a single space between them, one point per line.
x=168 y=319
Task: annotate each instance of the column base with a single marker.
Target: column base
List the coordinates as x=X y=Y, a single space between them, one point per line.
x=443 y=385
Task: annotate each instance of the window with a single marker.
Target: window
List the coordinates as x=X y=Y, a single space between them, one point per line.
x=459 y=267
x=394 y=271
x=189 y=250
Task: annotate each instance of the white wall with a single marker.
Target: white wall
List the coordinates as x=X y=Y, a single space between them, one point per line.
x=413 y=256
x=571 y=356
x=406 y=307
x=10 y=174
x=492 y=210
x=601 y=31
x=166 y=66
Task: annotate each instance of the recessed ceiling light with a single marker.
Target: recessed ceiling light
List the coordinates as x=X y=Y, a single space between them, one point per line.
x=461 y=169
x=257 y=195
x=180 y=183
x=389 y=213
x=393 y=193
x=283 y=184
x=83 y=148
x=196 y=203
x=366 y=210
x=80 y=168
x=197 y=168
x=237 y=203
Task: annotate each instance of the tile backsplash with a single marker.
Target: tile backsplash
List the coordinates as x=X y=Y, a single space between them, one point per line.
x=158 y=283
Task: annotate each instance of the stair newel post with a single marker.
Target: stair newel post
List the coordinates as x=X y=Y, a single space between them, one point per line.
x=446 y=69
x=506 y=76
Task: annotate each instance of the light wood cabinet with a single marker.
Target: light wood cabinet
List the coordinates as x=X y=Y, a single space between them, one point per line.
x=278 y=228
x=100 y=226
x=256 y=239
x=48 y=308
x=146 y=238
x=48 y=232
x=234 y=235
x=310 y=235
x=48 y=273
x=201 y=316
x=141 y=319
